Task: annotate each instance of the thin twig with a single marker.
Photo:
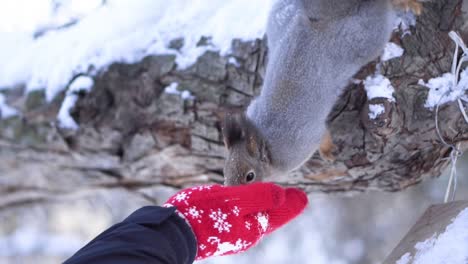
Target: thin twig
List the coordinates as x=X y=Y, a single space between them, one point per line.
x=455 y=152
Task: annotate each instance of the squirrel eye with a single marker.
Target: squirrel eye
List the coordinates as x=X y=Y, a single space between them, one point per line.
x=250 y=176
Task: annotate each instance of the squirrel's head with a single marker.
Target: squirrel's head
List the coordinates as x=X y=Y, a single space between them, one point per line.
x=247 y=158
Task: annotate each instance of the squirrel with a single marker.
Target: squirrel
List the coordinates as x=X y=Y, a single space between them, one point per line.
x=315 y=48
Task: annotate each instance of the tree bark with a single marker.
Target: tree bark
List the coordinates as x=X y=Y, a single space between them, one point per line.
x=135 y=136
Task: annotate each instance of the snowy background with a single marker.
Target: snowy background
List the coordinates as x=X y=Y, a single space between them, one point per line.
x=334 y=229
x=44 y=43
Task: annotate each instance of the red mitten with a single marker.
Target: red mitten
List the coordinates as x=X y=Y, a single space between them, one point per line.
x=231 y=219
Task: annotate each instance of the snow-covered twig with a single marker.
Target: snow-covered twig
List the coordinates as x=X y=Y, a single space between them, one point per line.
x=459 y=87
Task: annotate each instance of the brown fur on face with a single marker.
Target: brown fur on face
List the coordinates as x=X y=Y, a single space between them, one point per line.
x=247 y=151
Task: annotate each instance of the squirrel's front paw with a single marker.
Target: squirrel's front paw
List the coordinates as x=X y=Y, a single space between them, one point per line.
x=326 y=147
x=409 y=5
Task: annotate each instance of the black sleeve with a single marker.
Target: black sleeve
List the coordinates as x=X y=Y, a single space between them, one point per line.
x=151 y=234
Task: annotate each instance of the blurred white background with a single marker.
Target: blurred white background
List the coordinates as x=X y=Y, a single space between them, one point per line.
x=362 y=228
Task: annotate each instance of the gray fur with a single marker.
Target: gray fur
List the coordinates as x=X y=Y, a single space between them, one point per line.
x=315 y=48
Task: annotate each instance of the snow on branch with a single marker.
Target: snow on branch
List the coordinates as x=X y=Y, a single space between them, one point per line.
x=120 y=31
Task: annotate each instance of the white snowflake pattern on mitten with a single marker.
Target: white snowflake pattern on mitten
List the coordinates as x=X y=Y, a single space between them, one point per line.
x=183 y=197
x=194 y=213
x=248 y=225
x=236 y=211
x=202 y=188
x=226 y=247
x=220 y=221
x=262 y=219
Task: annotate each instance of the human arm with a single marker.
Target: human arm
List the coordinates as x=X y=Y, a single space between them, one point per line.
x=196 y=223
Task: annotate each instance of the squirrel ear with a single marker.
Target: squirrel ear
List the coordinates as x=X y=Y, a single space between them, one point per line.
x=232 y=129
x=264 y=152
x=252 y=146
x=258 y=148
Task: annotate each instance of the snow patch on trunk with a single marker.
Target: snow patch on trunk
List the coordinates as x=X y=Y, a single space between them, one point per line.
x=172 y=89
x=391 y=51
x=378 y=86
x=375 y=110
x=5 y=110
x=65 y=120
x=444 y=89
